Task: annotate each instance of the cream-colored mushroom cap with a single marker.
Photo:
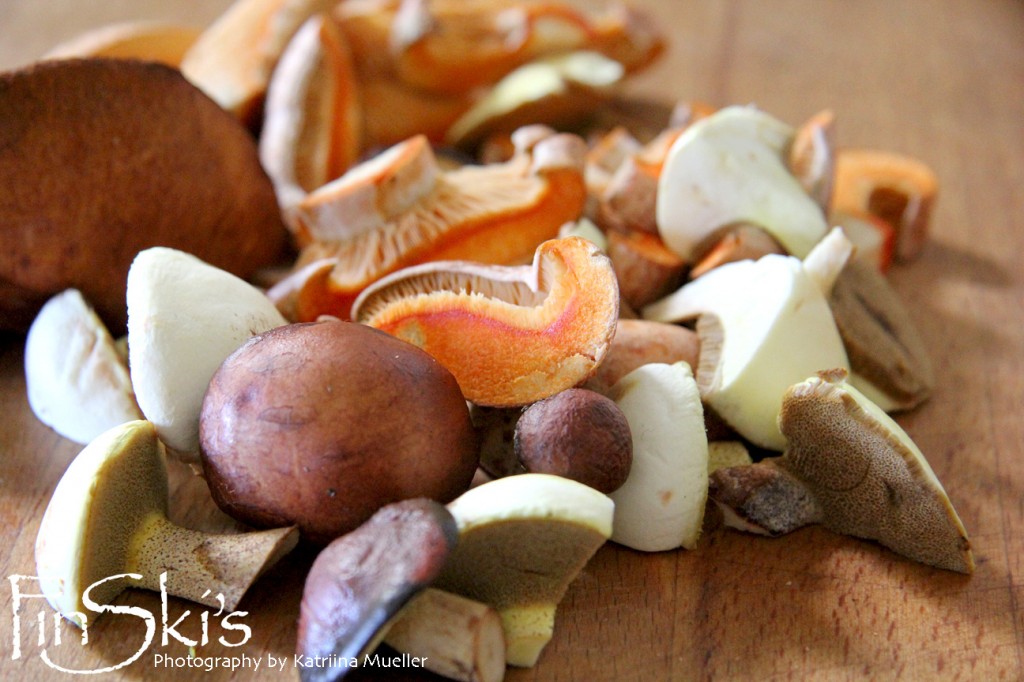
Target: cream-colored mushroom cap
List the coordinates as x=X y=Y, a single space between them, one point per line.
x=730 y=168
x=868 y=477
x=184 y=318
x=76 y=381
x=522 y=540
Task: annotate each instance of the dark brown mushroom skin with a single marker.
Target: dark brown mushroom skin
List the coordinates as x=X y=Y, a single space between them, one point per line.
x=320 y=424
x=102 y=158
x=579 y=434
x=361 y=580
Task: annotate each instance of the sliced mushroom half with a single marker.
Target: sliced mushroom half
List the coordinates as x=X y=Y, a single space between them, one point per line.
x=851 y=468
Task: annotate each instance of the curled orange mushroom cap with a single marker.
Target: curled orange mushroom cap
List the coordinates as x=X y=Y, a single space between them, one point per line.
x=559 y=314
x=400 y=209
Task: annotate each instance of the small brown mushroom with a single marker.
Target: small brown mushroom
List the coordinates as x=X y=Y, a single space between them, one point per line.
x=644 y=266
x=359 y=585
x=321 y=424
x=641 y=342
x=578 y=434
x=108 y=516
x=851 y=468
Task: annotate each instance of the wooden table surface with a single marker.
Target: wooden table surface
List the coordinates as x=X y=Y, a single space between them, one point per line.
x=941 y=80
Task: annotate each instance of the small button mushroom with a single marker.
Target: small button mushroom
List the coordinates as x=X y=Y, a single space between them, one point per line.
x=851 y=468
x=578 y=434
x=108 y=516
x=321 y=424
x=375 y=577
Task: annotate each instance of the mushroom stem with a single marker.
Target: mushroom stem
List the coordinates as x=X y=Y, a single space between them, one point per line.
x=211 y=569
x=827 y=259
x=763 y=498
x=459 y=638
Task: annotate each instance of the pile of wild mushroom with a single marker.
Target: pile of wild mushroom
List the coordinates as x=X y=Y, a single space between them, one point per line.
x=506 y=338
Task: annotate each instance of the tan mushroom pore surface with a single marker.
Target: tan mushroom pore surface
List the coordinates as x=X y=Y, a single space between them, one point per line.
x=868 y=477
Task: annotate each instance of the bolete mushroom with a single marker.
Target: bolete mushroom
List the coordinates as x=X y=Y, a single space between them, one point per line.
x=184 y=317
x=399 y=209
x=578 y=434
x=321 y=424
x=522 y=541
x=108 y=517
x=370 y=585
x=558 y=314
x=731 y=168
x=151 y=162
x=762 y=325
x=660 y=506
x=849 y=467
x=76 y=381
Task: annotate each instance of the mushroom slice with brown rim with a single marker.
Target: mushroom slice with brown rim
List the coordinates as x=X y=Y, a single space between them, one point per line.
x=522 y=541
x=888 y=358
x=511 y=335
x=404 y=211
x=851 y=468
x=233 y=59
x=312 y=125
x=361 y=583
x=108 y=517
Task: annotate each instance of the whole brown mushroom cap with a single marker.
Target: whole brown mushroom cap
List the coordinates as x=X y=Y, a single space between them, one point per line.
x=324 y=423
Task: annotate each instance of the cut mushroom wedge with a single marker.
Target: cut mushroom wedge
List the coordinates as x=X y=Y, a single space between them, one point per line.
x=108 y=517
x=492 y=214
x=184 y=318
x=312 y=123
x=870 y=481
x=763 y=325
x=559 y=314
x=889 y=360
x=233 y=59
x=557 y=90
x=660 y=507
x=731 y=168
x=76 y=381
x=522 y=541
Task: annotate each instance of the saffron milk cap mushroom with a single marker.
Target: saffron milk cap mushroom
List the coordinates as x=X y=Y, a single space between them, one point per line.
x=76 y=381
x=108 y=517
x=762 y=325
x=731 y=168
x=522 y=540
x=558 y=313
x=184 y=318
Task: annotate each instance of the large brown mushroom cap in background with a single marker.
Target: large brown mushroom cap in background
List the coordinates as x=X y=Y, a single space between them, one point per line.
x=324 y=423
x=101 y=158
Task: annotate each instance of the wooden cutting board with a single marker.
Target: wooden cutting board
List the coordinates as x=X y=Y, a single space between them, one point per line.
x=942 y=81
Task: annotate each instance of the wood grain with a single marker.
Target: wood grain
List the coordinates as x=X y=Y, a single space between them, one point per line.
x=942 y=81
